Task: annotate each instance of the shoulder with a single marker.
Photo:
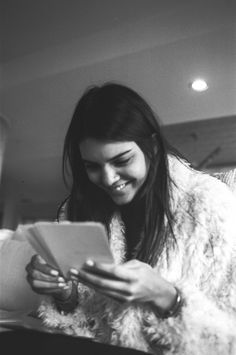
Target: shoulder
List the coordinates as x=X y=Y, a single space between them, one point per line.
x=229 y=178
x=194 y=185
x=201 y=204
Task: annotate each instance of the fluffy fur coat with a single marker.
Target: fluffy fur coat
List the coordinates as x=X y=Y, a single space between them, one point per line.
x=202 y=265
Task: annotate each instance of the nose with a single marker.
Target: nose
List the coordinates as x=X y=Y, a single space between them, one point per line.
x=109 y=176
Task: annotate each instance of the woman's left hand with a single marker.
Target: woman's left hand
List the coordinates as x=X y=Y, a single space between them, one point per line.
x=128 y=282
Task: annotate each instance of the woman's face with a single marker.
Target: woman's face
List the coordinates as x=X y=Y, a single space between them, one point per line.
x=119 y=168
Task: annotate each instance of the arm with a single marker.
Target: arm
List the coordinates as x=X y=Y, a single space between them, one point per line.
x=203 y=267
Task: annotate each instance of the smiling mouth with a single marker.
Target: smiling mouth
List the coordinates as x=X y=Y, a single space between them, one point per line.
x=120 y=187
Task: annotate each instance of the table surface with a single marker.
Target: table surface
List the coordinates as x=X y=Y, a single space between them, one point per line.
x=24 y=331
x=11 y=320
x=19 y=330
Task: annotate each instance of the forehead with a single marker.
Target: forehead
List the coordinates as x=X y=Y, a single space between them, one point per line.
x=92 y=149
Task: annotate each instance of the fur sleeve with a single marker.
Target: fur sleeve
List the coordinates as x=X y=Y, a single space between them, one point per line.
x=74 y=323
x=204 y=269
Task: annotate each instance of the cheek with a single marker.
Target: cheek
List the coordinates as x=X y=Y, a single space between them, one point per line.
x=141 y=170
x=138 y=173
x=142 y=174
x=93 y=177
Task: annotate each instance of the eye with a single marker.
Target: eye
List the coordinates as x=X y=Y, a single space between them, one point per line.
x=122 y=162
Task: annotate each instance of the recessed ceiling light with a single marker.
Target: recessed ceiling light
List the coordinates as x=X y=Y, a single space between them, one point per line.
x=199 y=85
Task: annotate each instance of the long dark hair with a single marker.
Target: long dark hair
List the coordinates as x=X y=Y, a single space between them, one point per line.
x=114 y=112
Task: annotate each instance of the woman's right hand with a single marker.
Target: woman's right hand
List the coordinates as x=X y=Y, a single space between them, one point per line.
x=45 y=280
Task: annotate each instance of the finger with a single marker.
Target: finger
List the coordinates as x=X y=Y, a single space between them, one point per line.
x=105 y=283
x=41 y=284
x=74 y=273
x=40 y=259
x=45 y=268
x=121 y=298
x=38 y=275
x=111 y=271
x=105 y=270
x=133 y=264
x=38 y=263
x=136 y=264
x=47 y=291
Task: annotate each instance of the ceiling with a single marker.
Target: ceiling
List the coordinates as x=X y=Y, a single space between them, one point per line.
x=52 y=50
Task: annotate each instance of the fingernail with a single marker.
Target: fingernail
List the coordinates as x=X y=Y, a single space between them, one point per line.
x=54 y=272
x=42 y=261
x=90 y=262
x=60 y=279
x=74 y=271
x=62 y=285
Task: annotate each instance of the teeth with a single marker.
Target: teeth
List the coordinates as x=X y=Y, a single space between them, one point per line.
x=120 y=187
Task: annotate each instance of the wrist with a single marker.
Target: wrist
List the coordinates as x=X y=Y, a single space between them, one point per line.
x=64 y=294
x=172 y=307
x=67 y=301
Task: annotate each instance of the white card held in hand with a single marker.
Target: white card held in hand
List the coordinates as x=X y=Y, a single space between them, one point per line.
x=69 y=245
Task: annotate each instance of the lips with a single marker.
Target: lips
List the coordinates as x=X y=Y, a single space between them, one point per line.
x=119 y=187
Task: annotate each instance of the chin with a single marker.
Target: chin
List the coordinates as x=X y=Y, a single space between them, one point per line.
x=122 y=200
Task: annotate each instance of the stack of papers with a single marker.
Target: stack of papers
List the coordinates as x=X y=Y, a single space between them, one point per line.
x=69 y=245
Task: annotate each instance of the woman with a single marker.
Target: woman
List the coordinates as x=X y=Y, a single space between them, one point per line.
x=171 y=231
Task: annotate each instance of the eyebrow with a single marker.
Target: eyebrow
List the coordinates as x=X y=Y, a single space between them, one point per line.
x=112 y=159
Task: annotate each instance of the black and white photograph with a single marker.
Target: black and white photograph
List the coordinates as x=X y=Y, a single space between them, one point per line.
x=118 y=177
